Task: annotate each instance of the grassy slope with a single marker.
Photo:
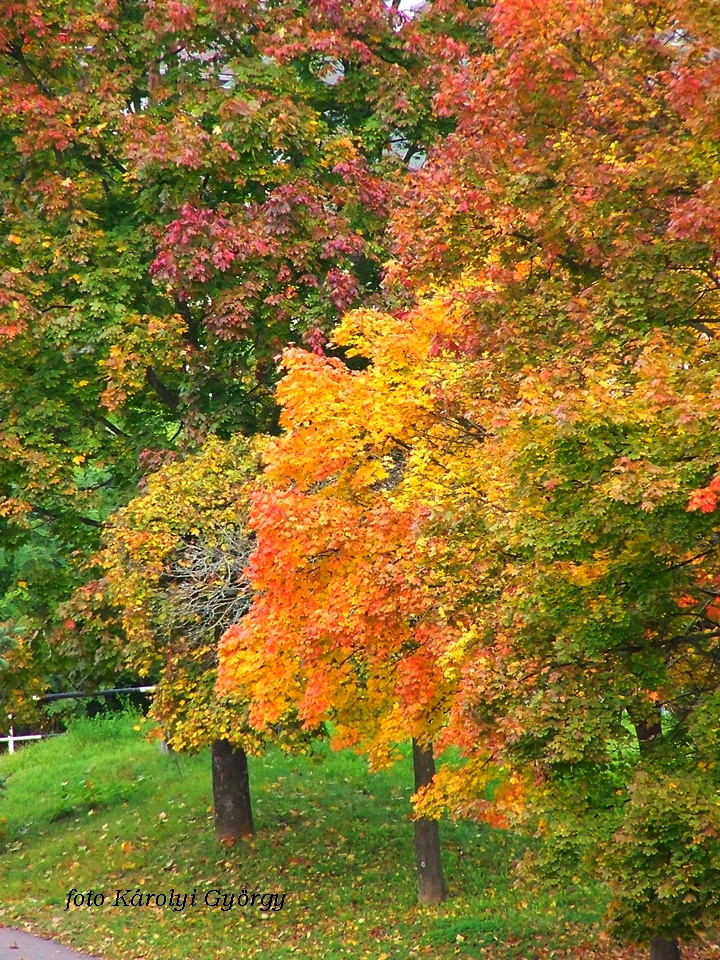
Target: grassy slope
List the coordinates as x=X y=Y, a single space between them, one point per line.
x=99 y=807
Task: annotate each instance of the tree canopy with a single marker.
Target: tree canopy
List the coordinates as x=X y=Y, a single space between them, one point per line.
x=486 y=242
x=549 y=407
x=185 y=190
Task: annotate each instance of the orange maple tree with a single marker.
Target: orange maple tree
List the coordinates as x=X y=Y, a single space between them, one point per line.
x=342 y=625
x=343 y=628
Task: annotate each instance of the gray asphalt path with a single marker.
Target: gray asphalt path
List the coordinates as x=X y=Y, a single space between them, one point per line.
x=16 y=945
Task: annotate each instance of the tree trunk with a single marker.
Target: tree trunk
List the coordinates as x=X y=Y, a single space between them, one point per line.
x=231 y=792
x=648 y=733
x=664 y=949
x=431 y=881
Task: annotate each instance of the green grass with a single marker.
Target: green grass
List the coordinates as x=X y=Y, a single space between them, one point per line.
x=101 y=808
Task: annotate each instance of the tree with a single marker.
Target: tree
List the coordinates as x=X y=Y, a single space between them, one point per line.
x=342 y=628
x=576 y=195
x=565 y=457
x=185 y=189
x=174 y=561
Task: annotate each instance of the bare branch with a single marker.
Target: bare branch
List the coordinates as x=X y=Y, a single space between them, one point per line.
x=208 y=589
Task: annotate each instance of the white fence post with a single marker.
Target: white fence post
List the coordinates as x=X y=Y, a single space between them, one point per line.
x=11 y=739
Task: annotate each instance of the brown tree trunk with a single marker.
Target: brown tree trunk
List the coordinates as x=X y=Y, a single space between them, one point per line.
x=231 y=792
x=431 y=881
x=648 y=732
x=664 y=949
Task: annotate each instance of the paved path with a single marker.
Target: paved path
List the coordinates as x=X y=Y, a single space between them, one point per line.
x=16 y=945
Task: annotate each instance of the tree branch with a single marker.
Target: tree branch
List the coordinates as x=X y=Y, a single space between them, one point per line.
x=14 y=51
x=168 y=396
x=88 y=521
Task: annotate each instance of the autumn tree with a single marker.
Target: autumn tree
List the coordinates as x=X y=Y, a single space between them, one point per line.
x=576 y=194
x=173 y=562
x=563 y=460
x=343 y=629
x=186 y=188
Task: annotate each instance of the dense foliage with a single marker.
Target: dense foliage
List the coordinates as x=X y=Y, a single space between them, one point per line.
x=186 y=188
x=173 y=561
x=538 y=439
x=489 y=518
